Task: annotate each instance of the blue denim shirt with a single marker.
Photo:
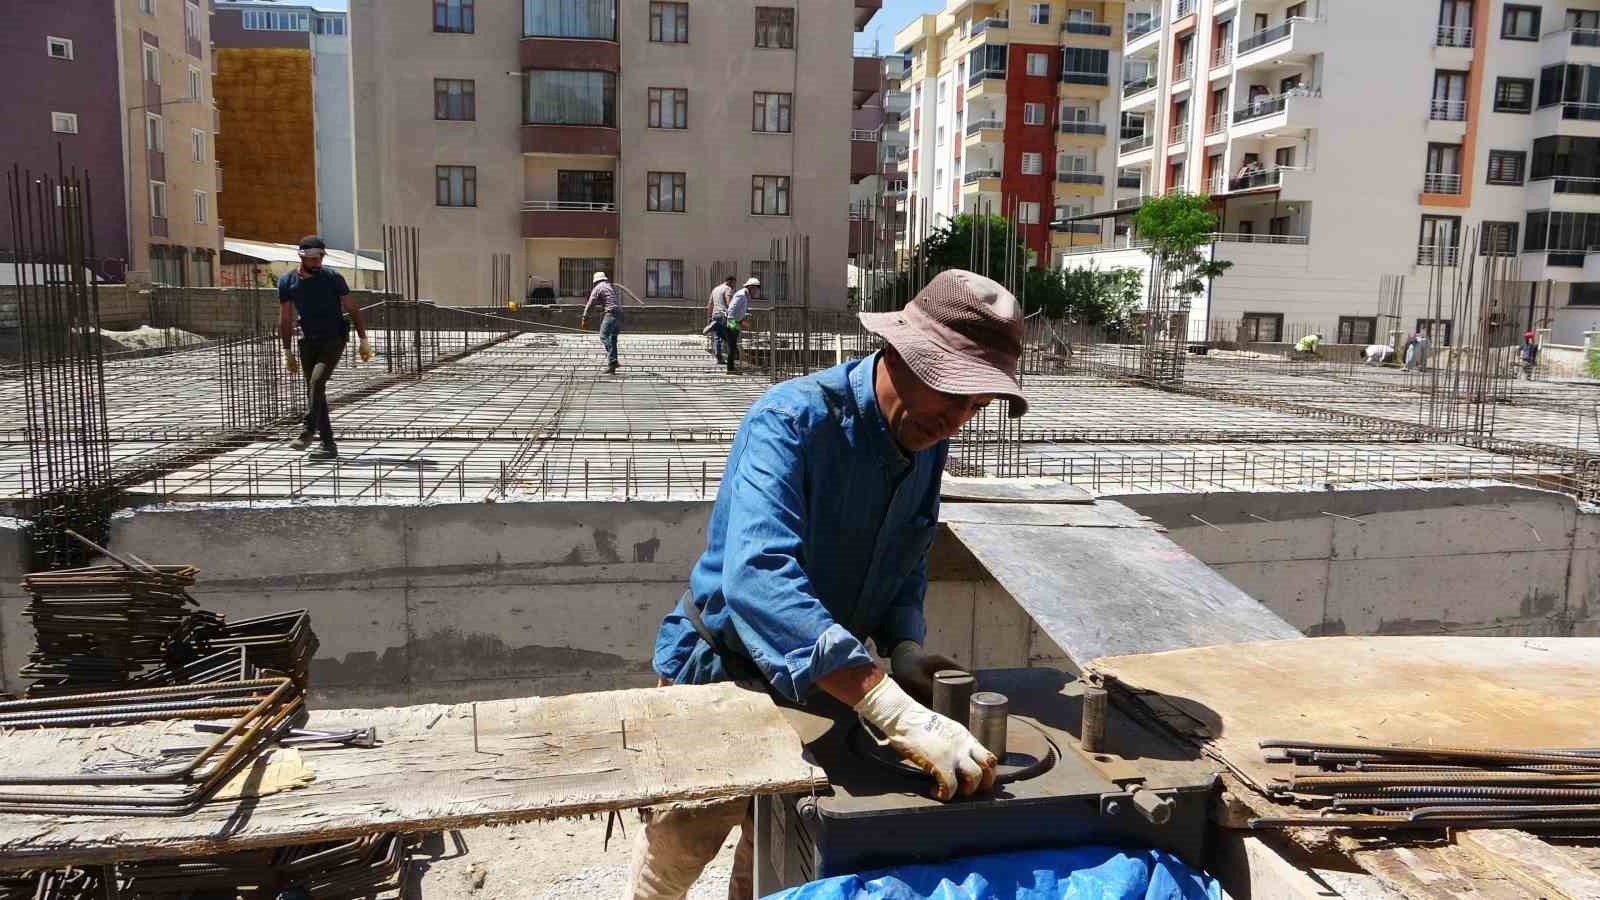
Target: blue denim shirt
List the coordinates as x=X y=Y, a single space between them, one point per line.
x=818 y=541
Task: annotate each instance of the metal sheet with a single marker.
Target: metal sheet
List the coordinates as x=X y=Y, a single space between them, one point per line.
x=1117 y=591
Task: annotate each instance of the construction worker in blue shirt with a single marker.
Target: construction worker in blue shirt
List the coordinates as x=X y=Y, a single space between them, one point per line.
x=818 y=542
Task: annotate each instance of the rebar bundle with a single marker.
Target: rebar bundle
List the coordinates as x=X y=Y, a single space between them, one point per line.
x=1419 y=786
x=54 y=884
x=362 y=867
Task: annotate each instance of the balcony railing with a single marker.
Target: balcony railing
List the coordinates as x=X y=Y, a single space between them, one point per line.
x=982 y=75
x=1441 y=182
x=1260 y=107
x=1241 y=238
x=1076 y=228
x=1281 y=31
x=1583 y=112
x=567 y=206
x=979 y=26
x=1080 y=178
x=1083 y=128
x=1261 y=178
x=1134 y=145
x=1438 y=254
x=863 y=134
x=1447 y=110
x=1221 y=56
x=1217 y=184
x=1100 y=28
x=978 y=125
x=902 y=154
x=1130 y=202
x=1139 y=87
x=1183 y=71
x=1453 y=36
x=1217 y=123
x=1140 y=29
x=1570 y=184
x=975 y=175
x=1183 y=8
x=1585 y=37
x=1085 y=78
x=1129 y=181
x=1178 y=134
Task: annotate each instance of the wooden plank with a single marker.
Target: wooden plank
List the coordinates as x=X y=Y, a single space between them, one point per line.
x=1012 y=490
x=1520 y=692
x=537 y=758
x=1439 y=872
x=1106 y=591
x=1100 y=515
x=1545 y=869
x=1252 y=868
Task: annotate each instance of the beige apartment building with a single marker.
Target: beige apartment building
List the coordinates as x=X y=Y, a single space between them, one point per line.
x=654 y=140
x=169 y=125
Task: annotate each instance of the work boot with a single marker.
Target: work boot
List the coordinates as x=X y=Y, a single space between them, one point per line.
x=611 y=368
x=301 y=442
x=324 y=453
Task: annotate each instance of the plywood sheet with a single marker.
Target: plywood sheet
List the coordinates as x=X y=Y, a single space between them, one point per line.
x=536 y=758
x=1511 y=691
x=1012 y=490
x=1104 y=591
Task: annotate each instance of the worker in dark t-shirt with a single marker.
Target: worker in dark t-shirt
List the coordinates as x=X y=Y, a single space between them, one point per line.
x=320 y=300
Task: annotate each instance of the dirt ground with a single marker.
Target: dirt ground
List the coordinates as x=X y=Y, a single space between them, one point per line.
x=556 y=860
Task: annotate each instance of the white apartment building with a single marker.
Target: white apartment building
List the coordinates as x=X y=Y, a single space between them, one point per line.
x=1345 y=141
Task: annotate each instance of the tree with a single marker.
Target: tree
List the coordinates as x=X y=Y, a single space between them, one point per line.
x=1087 y=296
x=1176 y=227
x=950 y=246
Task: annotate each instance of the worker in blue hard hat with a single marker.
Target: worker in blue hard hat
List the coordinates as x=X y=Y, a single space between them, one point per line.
x=818 y=542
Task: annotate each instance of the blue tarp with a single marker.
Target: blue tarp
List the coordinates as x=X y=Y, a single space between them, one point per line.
x=1079 y=873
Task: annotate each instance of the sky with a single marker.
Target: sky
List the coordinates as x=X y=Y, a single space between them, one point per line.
x=893 y=17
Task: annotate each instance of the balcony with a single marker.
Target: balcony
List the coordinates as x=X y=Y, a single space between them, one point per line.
x=1221 y=56
x=983 y=26
x=863 y=155
x=1098 y=29
x=1142 y=35
x=1217 y=123
x=158 y=226
x=1132 y=202
x=1289 y=41
x=987 y=83
x=1096 y=129
x=1260 y=179
x=1183 y=71
x=1135 y=145
x=1129 y=181
x=1080 y=178
x=981 y=180
x=1133 y=89
x=1182 y=8
x=990 y=129
x=866 y=79
x=1447 y=110
x=1563 y=193
x=1090 y=228
x=1578 y=46
x=864 y=11
x=1441 y=182
x=1454 y=36
x=1438 y=254
x=1178 y=134
x=571 y=140
x=1094 y=78
x=569 y=219
x=1299 y=109
x=1293 y=240
x=572 y=54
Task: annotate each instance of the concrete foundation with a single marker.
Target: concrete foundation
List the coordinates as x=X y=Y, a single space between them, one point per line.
x=419 y=603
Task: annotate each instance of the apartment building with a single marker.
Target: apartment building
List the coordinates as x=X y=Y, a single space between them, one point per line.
x=287 y=139
x=653 y=140
x=1013 y=110
x=1343 y=142
x=879 y=122
x=121 y=90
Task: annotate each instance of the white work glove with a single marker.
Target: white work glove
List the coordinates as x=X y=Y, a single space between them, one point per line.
x=364 y=350
x=939 y=746
x=913 y=667
x=290 y=363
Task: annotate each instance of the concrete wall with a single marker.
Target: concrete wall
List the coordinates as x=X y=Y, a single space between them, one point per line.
x=212 y=311
x=336 y=178
x=448 y=602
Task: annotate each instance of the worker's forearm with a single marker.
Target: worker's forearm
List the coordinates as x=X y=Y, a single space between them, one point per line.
x=286 y=335
x=361 y=325
x=848 y=686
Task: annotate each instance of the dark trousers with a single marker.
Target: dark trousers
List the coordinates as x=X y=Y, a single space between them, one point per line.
x=731 y=340
x=318 y=358
x=610 y=330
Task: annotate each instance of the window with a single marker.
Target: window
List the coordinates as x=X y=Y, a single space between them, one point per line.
x=58 y=48
x=1437 y=240
x=669 y=108
x=1038 y=64
x=1283 y=157
x=333 y=25
x=772 y=112
x=1583 y=293
x=199 y=207
x=1028 y=213
x=148 y=7
x=200 y=268
x=1039 y=13
x=586 y=186
x=663 y=278
x=575 y=273
x=64 y=123
x=455 y=99
x=588 y=19
x=1033 y=113
x=1513 y=95
x=1498 y=238
x=1507 y=166
x=938 y=137
x=669 y=23
x=1519 y=23
x=775 y=27
x=1033 y=163
x=152 y=64
x=1437 y=331
x=1072 y=162
x=1081 y=61
x=571 y=98
x=664 y=191
x=158 y=200
x=774 y=278
x=197 y=145
x=455 y=185
x=1357 y=329
x=1261 y=328
x=155 y=133
x=194 y=83
x=263 y=20
x=769 y=195
x=453 y=16
x=191 y=21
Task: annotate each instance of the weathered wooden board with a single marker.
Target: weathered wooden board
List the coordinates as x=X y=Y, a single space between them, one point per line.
x=536 y=758
x=1495 y=691
x=1104 y=591
x=1545 y=869
x=1440 y=872
x=1012 y=490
